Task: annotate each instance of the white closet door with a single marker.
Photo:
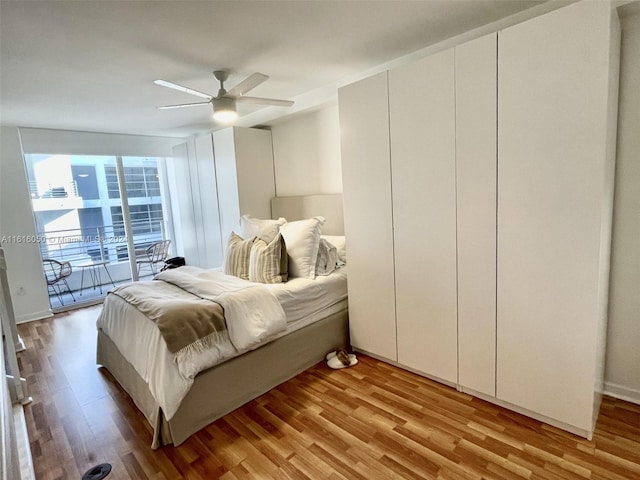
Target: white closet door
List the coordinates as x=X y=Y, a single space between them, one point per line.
x=224 y=151
x=211 y=248
x=553 y=85
x=422 y=116
x=364 y=130
x=476 y=156
x=244 y=175
x=186 y=242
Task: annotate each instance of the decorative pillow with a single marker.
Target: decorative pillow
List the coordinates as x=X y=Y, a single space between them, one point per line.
x=268 y=262
x=340 y=242
x=302 y=238
x=328 y=258
x=236 y=259
x=264 y=229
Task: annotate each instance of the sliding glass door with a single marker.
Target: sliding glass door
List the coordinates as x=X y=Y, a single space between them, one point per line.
x=82 y=224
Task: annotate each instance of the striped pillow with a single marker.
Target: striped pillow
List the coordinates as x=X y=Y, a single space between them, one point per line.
x=268 y=261
x=236 y=260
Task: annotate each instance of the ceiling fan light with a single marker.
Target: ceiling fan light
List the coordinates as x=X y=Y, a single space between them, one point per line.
x=224 y=110
x=225 y=116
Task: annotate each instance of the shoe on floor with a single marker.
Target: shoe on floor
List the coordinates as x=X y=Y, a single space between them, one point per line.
x=341 y=359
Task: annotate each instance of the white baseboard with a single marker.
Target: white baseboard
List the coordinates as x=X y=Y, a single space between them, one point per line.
x=30 y=317
x=623 y=393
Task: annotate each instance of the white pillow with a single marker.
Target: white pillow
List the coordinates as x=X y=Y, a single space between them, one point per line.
x=340 y=242
x=328 y=258
x=302 y=239
x=263 y=229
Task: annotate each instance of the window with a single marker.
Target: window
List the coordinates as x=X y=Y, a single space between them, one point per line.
x=112 y=182
x=145 y=219
x=77 y=205
x=86 y=181
x=142 y=181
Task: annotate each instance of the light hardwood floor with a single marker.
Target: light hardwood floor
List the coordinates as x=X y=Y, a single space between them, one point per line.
x=372 y=421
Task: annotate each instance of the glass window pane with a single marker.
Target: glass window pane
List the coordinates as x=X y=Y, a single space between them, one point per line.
x=78 y=210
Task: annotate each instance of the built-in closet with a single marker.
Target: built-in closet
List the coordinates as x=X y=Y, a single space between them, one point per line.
x=228 y=173
x=477 y=200
x=476 y=196
x=423 y=174
x=244 y=175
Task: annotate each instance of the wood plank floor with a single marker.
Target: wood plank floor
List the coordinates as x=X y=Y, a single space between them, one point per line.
x=372 y=421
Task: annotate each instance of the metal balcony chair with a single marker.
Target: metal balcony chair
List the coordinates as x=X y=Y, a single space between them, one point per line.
x=154 y=254
x=56 y=274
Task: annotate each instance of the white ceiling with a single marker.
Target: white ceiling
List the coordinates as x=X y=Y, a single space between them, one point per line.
x=90 y=65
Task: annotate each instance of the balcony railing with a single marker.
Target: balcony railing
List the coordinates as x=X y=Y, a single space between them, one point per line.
x=86 y=249
x=49 y=197
x=104 y=243
x=48 y=190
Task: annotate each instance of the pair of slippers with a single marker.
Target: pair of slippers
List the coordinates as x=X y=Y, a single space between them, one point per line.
x=341 y=359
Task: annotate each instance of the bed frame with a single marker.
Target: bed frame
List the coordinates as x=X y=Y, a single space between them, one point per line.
x=229 y=385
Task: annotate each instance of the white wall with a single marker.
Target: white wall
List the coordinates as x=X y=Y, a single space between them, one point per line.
x=24 y=269
x=622 y=375
x=306 y=152
x=42 y=140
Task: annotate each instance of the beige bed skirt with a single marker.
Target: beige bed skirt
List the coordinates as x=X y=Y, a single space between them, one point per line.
x=229 y=385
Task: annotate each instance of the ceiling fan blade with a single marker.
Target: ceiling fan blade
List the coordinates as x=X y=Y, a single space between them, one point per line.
x=175 y=86
x=265 y=101
x=252 y=81
x=182 y=105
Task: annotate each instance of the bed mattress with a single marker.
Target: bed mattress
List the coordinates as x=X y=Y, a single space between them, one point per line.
x=304 y=301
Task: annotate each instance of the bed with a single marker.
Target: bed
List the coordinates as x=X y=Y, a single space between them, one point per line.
x=179 y=399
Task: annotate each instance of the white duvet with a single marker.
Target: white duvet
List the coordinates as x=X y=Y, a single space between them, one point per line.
x=252 y=312
x=301 y=300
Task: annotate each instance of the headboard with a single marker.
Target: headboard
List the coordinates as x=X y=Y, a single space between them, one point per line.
x=300 y=207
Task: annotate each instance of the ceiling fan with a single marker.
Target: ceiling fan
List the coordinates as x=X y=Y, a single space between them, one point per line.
x=224 y=103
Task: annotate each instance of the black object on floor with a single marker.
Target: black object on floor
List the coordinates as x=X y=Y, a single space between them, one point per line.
x=98 y=472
